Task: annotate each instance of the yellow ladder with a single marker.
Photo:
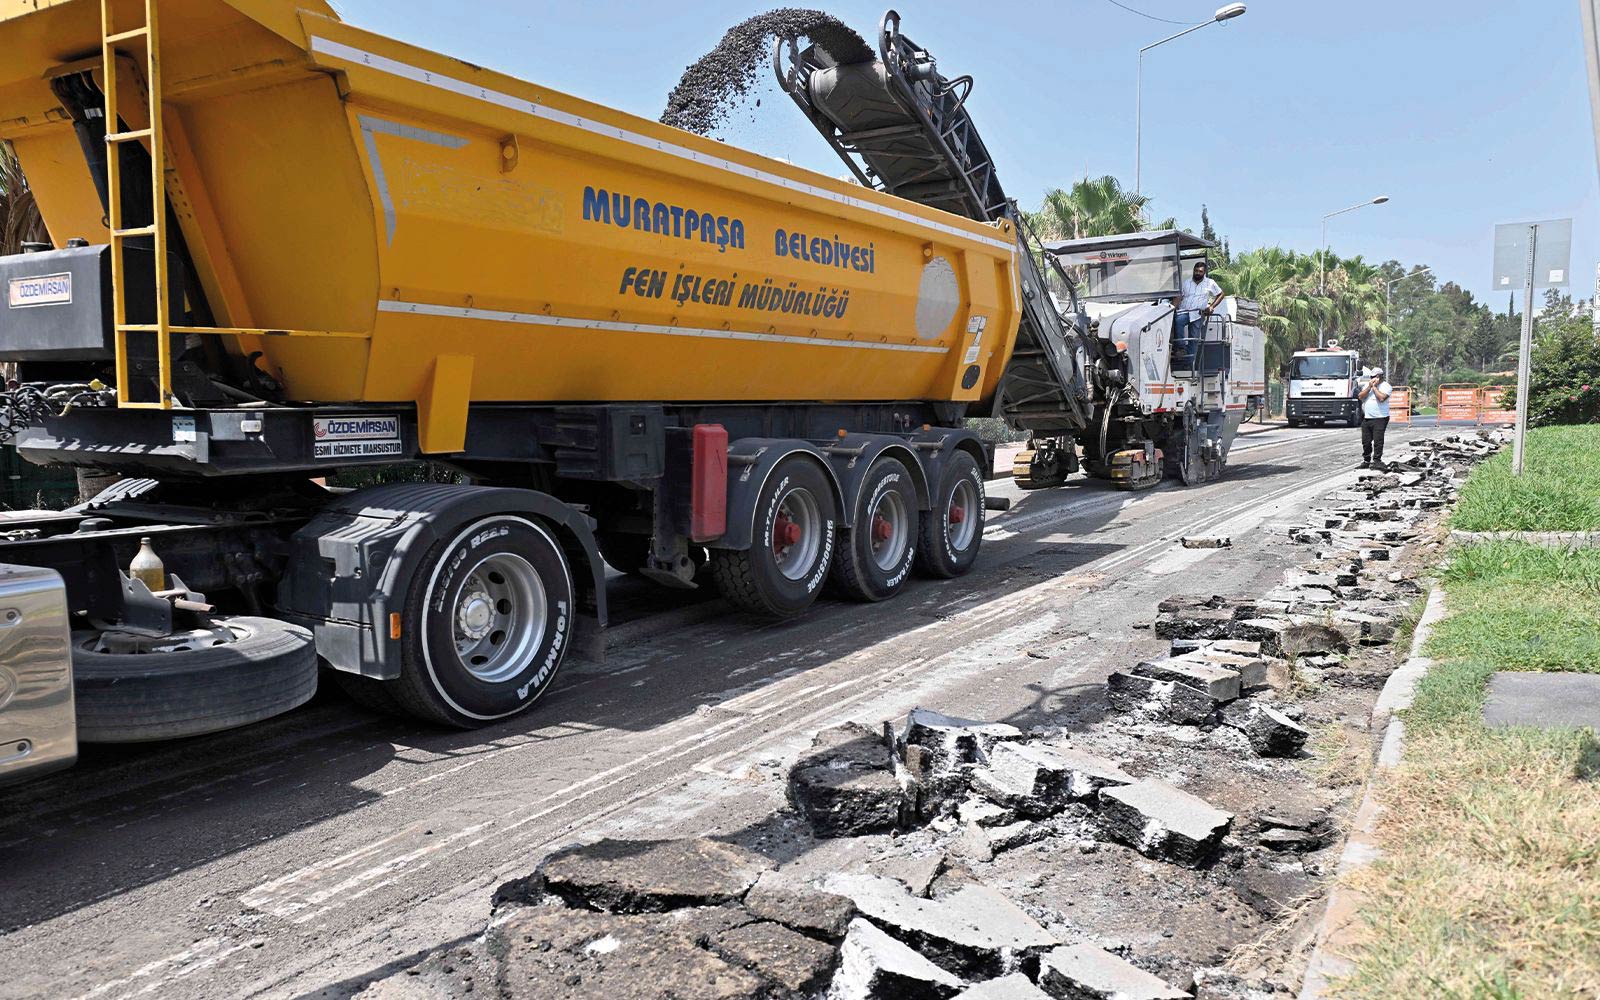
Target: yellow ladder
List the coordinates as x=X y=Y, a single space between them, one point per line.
x=157 y=228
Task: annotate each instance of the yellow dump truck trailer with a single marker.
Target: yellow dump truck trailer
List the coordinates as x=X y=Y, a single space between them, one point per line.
x=283 y=250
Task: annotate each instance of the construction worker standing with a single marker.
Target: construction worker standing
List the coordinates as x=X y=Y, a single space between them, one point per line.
x=1199 y=297
x=1374 y=396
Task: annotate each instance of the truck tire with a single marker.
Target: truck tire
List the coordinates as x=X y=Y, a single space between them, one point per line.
x=952 y=527
x=873 y=559
x=781 y=573
x=488 y=620
x=269 y=668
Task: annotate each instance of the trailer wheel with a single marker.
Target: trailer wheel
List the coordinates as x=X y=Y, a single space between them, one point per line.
x=489 y=617
x=874 y=558
x=952 y=529
x=781 y=573
x=238 y=671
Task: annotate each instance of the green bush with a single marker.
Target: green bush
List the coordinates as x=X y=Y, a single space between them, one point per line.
x=1565 y=374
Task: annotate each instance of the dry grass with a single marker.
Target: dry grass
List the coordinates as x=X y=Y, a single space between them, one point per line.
x=1343 y=755
x=1490 y=882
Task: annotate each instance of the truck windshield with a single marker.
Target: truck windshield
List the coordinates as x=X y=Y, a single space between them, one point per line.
x=1124 y=272
x=1325 y=366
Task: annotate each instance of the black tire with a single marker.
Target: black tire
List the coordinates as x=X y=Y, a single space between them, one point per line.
x=1292 y=422
x=623 y=551
x=946 y=548
x=134 y=698
x=886 y=527
x=757 y=579
x=436 y=682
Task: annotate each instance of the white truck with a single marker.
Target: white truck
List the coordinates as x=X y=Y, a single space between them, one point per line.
x=1322 y=386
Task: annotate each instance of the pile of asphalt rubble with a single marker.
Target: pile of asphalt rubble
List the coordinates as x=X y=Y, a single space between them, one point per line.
x=718 y=81
x=906 y=889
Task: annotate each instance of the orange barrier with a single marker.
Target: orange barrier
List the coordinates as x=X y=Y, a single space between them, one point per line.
x=1491 y=406
x=1459 y=402
x=1400 y=405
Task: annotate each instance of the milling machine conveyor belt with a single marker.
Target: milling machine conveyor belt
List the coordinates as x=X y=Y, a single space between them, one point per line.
x=903 y=129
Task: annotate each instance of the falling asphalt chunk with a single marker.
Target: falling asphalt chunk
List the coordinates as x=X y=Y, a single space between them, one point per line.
x=715 y=83
x=1084 y=972
x=845 y=785
x=642 y=876
x=874 y=966
x=973 y=932
x=1164 y=822
x=1207 y=542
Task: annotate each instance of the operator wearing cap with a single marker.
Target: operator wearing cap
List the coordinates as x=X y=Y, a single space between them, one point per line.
x=1199 y=297
x=1374 y=396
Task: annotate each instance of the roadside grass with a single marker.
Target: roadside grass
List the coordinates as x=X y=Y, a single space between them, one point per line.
x=1560 y=490
x=1489 y=886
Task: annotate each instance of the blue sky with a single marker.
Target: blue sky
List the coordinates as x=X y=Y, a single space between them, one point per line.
x=1466 y=113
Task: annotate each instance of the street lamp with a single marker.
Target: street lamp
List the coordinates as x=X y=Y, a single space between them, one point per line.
x=1322 y=259
x=1388 y=300
x=1225 y=13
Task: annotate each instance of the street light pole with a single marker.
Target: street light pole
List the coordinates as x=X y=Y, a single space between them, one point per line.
x=1388 y=301
x=1227 y=13
x=1322 y=258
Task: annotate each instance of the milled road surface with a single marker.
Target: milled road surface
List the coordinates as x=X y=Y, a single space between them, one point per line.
x=308 y=854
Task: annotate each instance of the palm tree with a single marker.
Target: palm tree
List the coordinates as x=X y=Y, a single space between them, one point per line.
x=19 y=213
x=1093 y=207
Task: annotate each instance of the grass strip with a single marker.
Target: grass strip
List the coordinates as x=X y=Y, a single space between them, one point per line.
x=1560 y=490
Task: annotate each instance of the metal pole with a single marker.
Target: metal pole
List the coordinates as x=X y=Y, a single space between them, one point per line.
x=1138 y=103
x=1322 y=275
x=1388 y=327
x=1524 y=358
x=1138 y=125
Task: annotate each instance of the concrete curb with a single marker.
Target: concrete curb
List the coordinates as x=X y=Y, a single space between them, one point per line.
x=1337 y=928
x=1570 y=540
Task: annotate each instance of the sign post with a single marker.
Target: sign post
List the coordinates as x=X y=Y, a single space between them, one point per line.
x=1537 y=253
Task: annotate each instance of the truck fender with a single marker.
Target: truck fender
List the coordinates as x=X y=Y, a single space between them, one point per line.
x=936 y=445
x=352 y=565
x=750 y=462
x=853 y=455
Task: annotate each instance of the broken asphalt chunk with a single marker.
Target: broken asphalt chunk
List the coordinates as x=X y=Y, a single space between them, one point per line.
x=973 y=932
x=874 y=966
x=797 y=904
x=1271 y=733
x=1162 y=821
x=1219 y=683
x=642 y=876
x=845 y=784
x=1039 y=780
x=1013 y=987
x=1164 y=700
x=1084 y=972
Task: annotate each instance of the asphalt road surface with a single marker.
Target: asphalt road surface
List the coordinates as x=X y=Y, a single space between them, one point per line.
x=305 y=855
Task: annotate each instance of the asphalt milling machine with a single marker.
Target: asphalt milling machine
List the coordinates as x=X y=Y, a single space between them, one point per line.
x=629 y=344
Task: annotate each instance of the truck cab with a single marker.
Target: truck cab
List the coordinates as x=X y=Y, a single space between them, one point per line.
x=1322 y=386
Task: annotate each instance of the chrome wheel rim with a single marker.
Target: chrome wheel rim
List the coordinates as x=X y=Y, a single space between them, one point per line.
x=963 y=515
x=890 y=527
x=499 y=616
x=796 y=536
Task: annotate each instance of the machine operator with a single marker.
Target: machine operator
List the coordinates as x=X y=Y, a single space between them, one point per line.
x=1199 y=297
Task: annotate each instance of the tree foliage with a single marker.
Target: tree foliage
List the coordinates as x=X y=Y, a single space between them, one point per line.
x=1564 y=374
x=1092 y=207
x=19 y=213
